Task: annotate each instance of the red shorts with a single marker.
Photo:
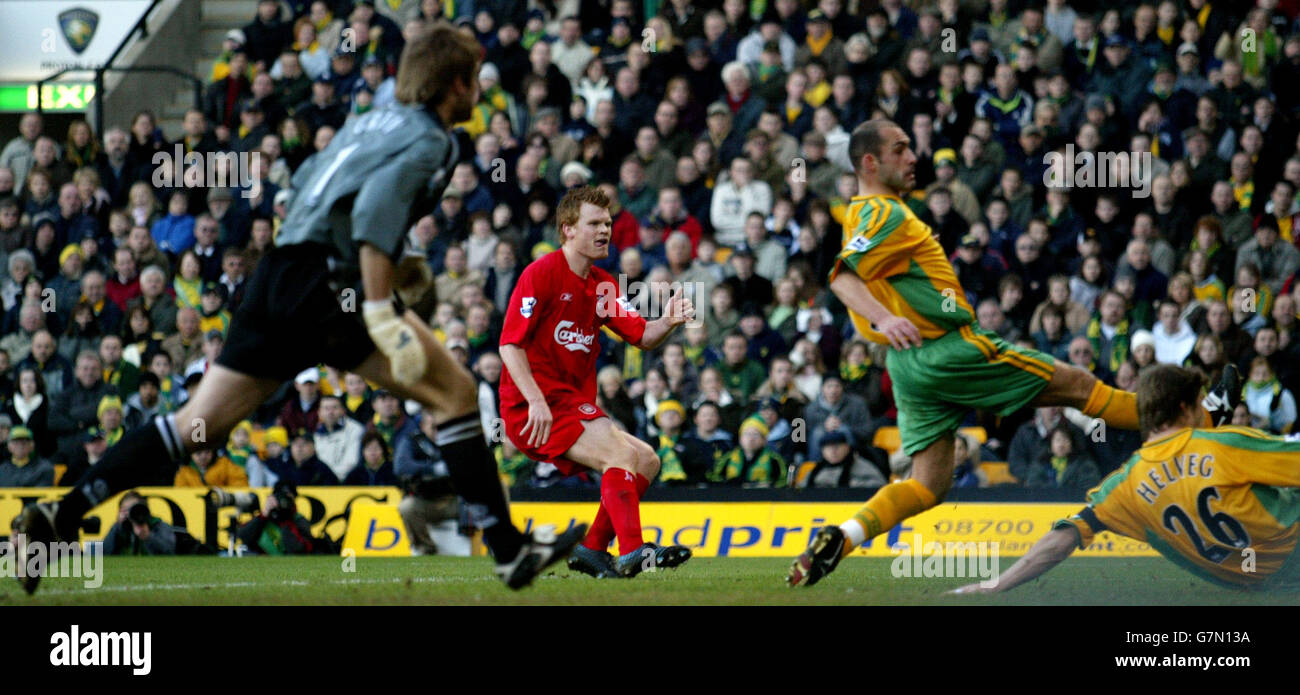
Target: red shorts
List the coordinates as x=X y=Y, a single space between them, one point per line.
x=568 y=411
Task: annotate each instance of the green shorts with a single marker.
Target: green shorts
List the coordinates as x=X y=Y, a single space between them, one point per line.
x=936 y=384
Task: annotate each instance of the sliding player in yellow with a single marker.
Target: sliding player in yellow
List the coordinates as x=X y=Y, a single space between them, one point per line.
x=1219 y=502
x=901 y=291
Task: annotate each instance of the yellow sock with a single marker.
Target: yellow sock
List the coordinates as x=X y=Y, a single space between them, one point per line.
x=890 y=505
x=1118 y=408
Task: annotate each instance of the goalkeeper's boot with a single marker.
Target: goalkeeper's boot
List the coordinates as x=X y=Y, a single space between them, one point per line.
x=1224 y=397
x=819 y=559
x=651 y=557
x=34 y=524
x=596 y=563
x=541 y=549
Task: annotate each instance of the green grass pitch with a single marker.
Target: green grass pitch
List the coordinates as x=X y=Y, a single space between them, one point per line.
x=702 y=581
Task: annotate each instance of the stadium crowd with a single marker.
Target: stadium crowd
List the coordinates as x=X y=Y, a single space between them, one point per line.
x=721 y=131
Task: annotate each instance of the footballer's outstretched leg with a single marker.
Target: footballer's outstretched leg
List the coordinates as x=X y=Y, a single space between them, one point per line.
x=932 y=478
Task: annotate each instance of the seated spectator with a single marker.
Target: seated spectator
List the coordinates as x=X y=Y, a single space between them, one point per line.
x=339 y=439
x=376 y=466
x=1272 y=407
x=669 y=417
x=356 y=398
x=171 y=386
x=780 y=387
x=1052 y=336
x=389 y=420
x=752 y=464
x=213 y=314
x=155 y=300
x=780 y=434
x=300 y=412
x=1031 y=441
x=839 y=466
x=1142 y=349
x=76 y=408
x=292 y=535
x=25 y=468
x=1174 y=338
x=174 y=234
x=117 y=371
x=301 y=467
x=836 y=410
x=206 y=469
x=741 y=375
x=186 y=345
x=1063 y=464
x=705 y=444
x=83 y=332
x=110 y=419
x=966 y=464
x=275 y=453
x=29 y=406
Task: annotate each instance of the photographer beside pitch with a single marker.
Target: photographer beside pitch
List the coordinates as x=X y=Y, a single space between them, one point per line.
x=1217 y=502
x=278 y=529
x=353 y=203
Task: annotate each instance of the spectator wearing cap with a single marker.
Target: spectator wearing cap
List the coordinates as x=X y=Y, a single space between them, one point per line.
x=76 y=407
x=213 y=341
x=374 y=77
x=145 y=403
x=769 y=28
x=964 y=200
x=25 y=468
x=821 y=43
x=110 y=419
x=322 y=109
x=67 y=284
x=213 y=315
x=301 y=411
x=389 y=420
x=838 y=465
x=234 y=40
x=1120 y=74
x=753 y=463
x=1190 y=75
x=976 y=269
x=345 y=74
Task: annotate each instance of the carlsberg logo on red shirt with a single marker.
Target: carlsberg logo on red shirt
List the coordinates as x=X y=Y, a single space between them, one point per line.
x=573 y=339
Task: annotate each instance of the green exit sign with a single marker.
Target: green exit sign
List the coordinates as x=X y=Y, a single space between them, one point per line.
x=54 y=97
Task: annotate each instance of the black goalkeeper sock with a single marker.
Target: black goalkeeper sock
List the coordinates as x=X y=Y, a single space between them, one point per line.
x=146 y=455
x=474 y=473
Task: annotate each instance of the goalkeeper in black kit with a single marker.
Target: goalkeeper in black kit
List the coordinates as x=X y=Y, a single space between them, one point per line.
x=350 y=208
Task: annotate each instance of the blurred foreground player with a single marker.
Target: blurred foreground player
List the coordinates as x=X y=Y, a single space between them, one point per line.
x=901 y=291
x=1218 y=502
x=352 y=205
x=548 y=389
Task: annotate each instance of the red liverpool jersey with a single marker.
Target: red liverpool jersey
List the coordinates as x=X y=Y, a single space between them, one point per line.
x=556 y=316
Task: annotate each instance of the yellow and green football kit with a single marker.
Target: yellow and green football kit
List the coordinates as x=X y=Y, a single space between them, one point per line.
x=959 y=365
x=1222 y=503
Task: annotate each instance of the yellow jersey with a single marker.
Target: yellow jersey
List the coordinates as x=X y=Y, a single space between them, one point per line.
x=1221 y=503
x=903 y=266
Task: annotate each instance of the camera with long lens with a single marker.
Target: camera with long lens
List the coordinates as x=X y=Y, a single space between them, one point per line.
x=286 y=501
x=243 y=501
x=139 y=514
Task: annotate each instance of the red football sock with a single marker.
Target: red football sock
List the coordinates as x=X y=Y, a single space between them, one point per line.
x=602 y=528
x=618 y=495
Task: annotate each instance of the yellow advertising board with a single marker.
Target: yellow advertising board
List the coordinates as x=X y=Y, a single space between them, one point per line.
x=711 y=529
x=783 y=529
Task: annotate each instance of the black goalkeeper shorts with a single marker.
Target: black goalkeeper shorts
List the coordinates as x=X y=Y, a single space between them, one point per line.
x=291 y=318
